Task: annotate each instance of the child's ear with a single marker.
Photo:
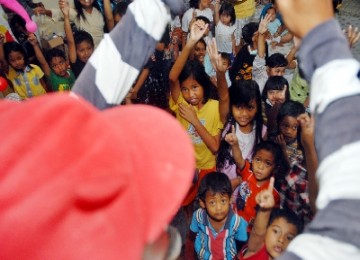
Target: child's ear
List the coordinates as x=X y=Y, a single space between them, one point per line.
x=202 y=203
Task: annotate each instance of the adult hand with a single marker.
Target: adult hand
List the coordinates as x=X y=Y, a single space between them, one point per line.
x=301 y=16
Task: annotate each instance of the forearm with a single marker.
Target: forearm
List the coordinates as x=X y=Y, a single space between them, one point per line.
x=40 y=57
x=258 y=231
x=261 y=45
x=311 y=166
x=108 y=15
x=238 y=157
x=212 y=142
x=223 y=92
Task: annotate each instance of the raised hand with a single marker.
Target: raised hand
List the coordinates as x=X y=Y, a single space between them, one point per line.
x=307 y=128
x=231 y=138
x=264 y=23
x=198 y=28
x=353 y=35
x=265 y=198
x=215 y=57
x=64 y=7
x=32 y=39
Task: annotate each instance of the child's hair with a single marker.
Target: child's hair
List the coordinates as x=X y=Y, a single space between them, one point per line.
x=194 y=68
x=194 y=3
x=248 y=32
x=83 y=36
x=226 y=56
x=202 y=41
x=52 y=53
x=241 y=93
x=293 y=109
x=276 y=83
x=215 y=182
x=120 y=8
x=15 y=47
x=203 y=18
x=228 y=9
x=80 y=11
x=276 y=60
x=289 y=216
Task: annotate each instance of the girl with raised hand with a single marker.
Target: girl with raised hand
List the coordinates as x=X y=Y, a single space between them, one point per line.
x=193 y=106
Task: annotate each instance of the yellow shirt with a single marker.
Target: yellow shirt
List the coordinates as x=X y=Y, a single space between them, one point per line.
x=210 y=118
x=244 y=9
x=27 y=84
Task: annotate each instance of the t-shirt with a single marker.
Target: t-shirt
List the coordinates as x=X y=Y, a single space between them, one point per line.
x=93 y=24
x=221 y=245
x=59 y=83
x=210 y=118
x=27 y=84
x=244 y=195
x=262 y=254
x=242 y=65
x=244 y=9
x=77 y=67
x=223 y=36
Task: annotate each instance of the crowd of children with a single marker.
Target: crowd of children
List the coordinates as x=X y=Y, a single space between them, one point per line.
x=254 y=187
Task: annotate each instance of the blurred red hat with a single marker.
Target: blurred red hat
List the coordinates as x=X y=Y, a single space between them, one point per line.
x=79 y=183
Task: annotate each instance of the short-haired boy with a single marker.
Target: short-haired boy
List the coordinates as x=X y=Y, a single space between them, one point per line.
x=55 y=67
x=273 y=230
x=215 y=225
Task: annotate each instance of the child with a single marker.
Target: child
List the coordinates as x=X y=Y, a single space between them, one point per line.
x=54 y=66
x=216 y=226
x=26 y=78
x=197 y=8
x=90 y=19
x=263 y=68
x=267 y=161
x=241 y=68
x=273 y=229
x=81 y=45
x=191 y=101
x=294 y=190
x=225 y=28
x=276 y=92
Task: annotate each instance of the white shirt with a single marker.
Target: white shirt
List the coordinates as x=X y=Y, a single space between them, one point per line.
x=223 y=36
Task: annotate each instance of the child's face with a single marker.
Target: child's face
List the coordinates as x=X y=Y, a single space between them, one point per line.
x=117 y=18
x=199 y=51
x=16 y=60
x=272 y=13
x=288 y=127
x=217 y=205
x=278 y=236
x=84 y=50
x=192 y=91
x=204 y=4
x=276 y=96
x=59 y=66
x=225 y=63
x=263 y=165
x=245 y=114
x=277 y=71
x=225 y=19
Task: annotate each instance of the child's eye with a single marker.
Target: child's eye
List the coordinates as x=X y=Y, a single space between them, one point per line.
x=184 y=89
x=290 y=237
x=257 y=159
x=268 y=164
x=295 y=127
x=194 y=87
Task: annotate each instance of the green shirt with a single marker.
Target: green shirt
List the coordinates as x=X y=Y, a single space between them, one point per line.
x=59 y=83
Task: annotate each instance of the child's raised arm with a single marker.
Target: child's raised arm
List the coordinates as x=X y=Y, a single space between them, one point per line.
x=222 y=86
x=261 y=39
x=109 y=18
x=216 y=13
x=3 y=63
x=265 y=199
x=311 y=160
x=198 y=29
x=65 y=9
x=39 y=54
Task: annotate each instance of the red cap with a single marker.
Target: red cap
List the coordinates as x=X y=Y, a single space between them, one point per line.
x=79 y=183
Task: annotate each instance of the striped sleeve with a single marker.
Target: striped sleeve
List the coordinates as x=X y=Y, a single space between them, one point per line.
x=116 y=62
x=335 y=101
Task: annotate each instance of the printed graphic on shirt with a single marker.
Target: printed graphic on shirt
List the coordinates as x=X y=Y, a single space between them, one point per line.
x=244 y=193
x=195 y=137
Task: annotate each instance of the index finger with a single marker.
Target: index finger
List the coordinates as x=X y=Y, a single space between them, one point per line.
x=271 y=184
